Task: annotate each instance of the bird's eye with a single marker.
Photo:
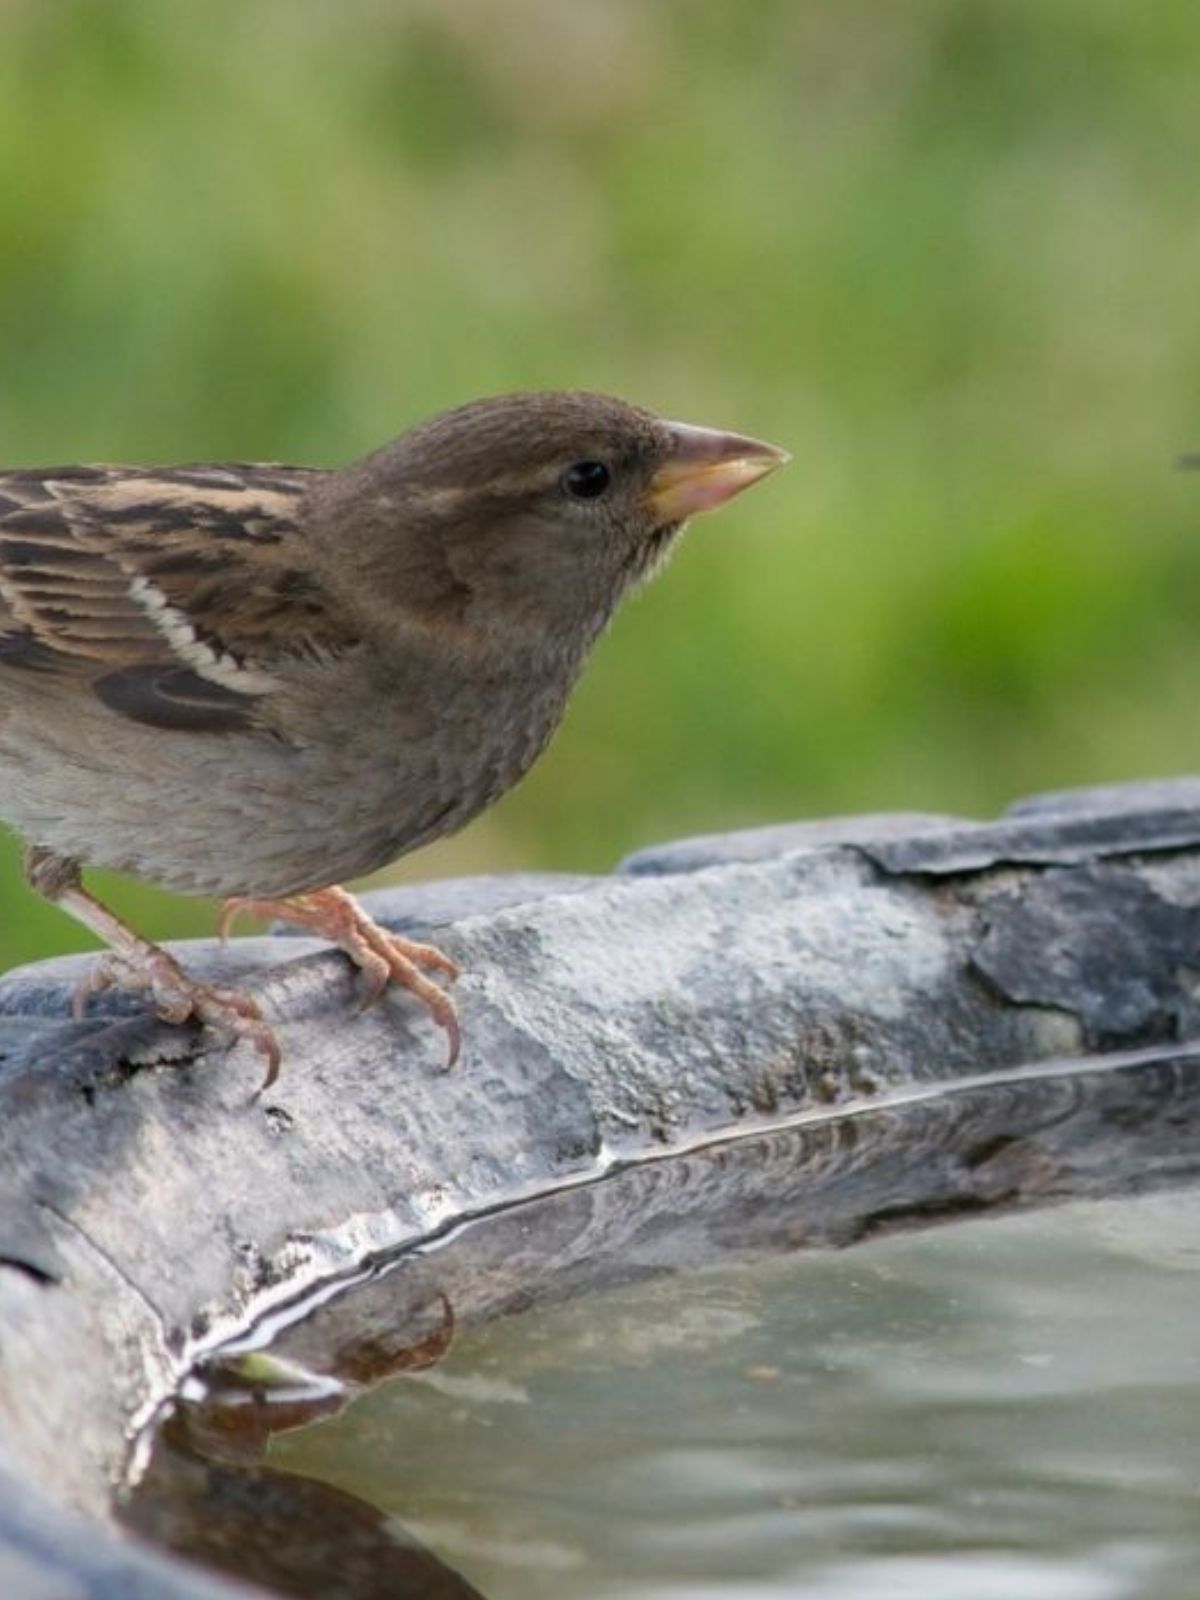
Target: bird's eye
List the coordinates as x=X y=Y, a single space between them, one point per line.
x=586 y=480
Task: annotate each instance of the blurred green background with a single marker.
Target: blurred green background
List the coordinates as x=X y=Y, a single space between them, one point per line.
x=948 y=252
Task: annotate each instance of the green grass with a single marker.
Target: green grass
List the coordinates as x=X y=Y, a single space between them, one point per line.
x=945 y=251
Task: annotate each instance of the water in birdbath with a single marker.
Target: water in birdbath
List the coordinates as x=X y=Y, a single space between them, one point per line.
x=1007 y=1408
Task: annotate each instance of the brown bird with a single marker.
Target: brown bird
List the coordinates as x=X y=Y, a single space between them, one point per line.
x=253 y=681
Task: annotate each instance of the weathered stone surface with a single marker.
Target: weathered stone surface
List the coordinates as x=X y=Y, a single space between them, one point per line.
x=766 y=844
x=924 y=981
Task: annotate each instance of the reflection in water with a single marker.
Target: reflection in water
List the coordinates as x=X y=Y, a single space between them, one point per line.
x=204 y=1493
x=294 y=1536
x=999 y=1409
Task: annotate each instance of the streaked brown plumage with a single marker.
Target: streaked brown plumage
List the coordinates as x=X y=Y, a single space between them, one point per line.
x=254 y=681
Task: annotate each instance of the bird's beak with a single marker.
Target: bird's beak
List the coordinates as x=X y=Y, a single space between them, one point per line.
x=707 y=467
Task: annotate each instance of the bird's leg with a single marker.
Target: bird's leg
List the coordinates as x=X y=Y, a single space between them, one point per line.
x=134 y=963
x=382 y=957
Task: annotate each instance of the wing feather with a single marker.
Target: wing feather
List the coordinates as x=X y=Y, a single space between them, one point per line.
x=171 y=594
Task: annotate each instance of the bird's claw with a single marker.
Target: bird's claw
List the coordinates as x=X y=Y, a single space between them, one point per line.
x=177 y=999
x=382 y=958
x=391 y=960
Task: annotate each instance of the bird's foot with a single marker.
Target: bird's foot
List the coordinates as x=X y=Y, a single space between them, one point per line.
x=383 y=958
x=178 y=998
x=134 y=964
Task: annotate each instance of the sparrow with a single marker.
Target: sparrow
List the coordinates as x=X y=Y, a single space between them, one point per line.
x=254 y=681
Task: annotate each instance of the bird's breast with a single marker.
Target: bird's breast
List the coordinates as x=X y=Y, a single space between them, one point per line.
x=408 y=767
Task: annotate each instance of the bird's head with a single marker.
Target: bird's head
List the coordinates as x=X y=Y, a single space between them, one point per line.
x=528 y=516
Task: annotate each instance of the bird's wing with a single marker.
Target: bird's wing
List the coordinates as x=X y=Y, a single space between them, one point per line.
x=170 y=594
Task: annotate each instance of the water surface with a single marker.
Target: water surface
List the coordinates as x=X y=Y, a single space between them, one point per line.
x=1002 y=1409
